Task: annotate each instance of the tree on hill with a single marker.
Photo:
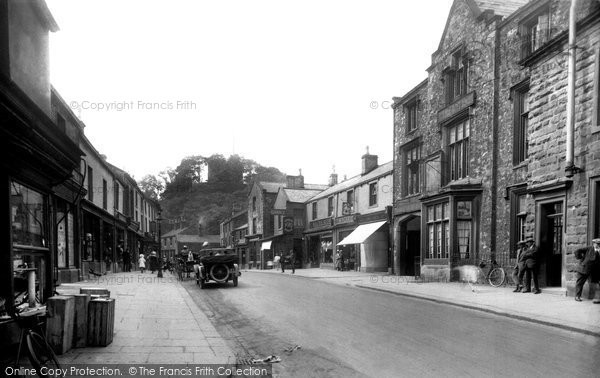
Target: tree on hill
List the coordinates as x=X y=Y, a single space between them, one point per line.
x=207 y=203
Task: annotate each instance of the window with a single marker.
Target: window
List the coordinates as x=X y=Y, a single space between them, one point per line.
x=521 y=122
x=348 y=206
x=298 y=218
x=279 y=222
x=412 y=157
x=330 y=206
x=535 y=32
x=104 y=194
x=29 y=229
x=116 y=196
x=411 y=110
x=464 y=224
x=455 y=76
x=254 y=226
x=373 y=194
x=253 y=203
x=438 y=231
x=314 y=210
x=458 y=150
x=60 y=122
x=90 y=178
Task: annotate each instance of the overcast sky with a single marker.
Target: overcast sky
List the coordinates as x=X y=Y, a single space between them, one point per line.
x=291 y=84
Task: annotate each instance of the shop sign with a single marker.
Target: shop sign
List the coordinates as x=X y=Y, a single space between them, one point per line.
x=288 y=225
x=326 y=222
x=345 y=219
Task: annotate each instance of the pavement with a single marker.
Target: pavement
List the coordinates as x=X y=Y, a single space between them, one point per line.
x=156 y=322
x=546 y=308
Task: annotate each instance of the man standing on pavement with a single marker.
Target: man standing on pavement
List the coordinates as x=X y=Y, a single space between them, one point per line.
x=531 y=257
x=589 y=265
x=519 y=269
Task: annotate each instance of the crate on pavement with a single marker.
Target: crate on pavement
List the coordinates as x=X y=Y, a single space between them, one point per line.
x=95 y=292
x=80 y=320
x=101 y=321
x=59 y=324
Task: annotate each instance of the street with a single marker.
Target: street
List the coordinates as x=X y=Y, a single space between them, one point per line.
x=347 y=331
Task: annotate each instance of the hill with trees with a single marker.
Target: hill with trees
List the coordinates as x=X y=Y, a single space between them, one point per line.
x=205 y=190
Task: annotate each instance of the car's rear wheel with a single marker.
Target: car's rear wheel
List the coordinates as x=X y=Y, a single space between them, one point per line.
x=219 y=273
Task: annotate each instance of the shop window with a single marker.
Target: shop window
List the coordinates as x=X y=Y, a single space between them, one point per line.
x=535 y=31
x=520 y=122
x=373 y=194
x=64 y=234
x=438 y=231
x=458 y=150
x=327 y=250
x=464 y=227
x=29 y=237
x=518 y=219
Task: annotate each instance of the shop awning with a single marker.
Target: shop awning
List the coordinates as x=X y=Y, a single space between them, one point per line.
x=361 y=233
x=266 y=245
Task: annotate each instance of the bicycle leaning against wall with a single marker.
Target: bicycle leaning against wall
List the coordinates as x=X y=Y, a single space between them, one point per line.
x=31 y=321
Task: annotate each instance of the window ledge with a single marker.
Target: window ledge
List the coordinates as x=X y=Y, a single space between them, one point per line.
x=521 y=165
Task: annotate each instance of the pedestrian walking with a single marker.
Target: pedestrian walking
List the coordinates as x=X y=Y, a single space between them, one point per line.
x=519 y=269
x=588 y=266
x=142 y=262
x=531 y=265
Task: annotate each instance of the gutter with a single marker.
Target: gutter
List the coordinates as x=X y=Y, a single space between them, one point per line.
x=570 y=168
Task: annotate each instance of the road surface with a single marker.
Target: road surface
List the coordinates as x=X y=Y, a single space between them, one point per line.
x=346 y=331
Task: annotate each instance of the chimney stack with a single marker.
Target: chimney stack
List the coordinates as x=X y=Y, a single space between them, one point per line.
x=369 y=162
x=295 y=182
x=333 y=178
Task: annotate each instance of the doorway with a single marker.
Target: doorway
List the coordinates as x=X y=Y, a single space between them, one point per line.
x=410 y=246
x=551 y=243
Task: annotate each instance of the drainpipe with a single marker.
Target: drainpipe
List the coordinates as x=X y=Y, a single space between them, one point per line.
x=570 y=167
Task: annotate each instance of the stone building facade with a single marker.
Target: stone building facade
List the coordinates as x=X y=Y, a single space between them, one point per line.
x=483 y=142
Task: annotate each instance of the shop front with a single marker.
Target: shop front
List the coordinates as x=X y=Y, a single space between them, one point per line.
x=371 y=244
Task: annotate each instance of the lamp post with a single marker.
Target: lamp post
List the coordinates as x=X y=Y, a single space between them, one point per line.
x=158 y=220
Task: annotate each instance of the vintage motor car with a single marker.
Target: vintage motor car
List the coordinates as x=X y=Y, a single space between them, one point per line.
x=218 y=268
